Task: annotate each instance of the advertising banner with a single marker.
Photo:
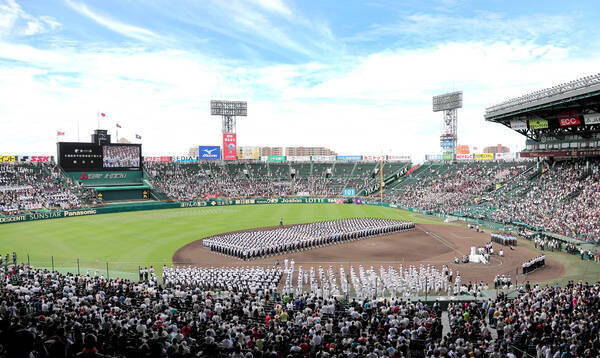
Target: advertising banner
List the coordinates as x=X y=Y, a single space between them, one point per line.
x=538 y=123
x=248 y=153
x=276 y=158
x=373 y=158
x=505 y=156
x=433 y=157
x=349 y=192
x=209 y=152
x=8 y=158
x=185 y=159
x=484 y=156
x=157 y=159
x=399 y=158
x=447 y=156
x=36 y=158
x=212 y=196
x=518 y=125
x=591 y=118
x=464 y=157
x=298 y=158
x=349 y=158
x=569 y=119
x=544 y=154
x=323 y=158
x=229 y=146
x=106 y=178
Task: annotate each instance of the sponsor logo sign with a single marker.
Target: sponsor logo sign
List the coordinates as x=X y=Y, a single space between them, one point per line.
x=569 y=119
x=591 y=118
x=464 y=157
x=373 y=158
x=518 y=125
x=157 y=159
x=8 y=158
x=212 y=196
x=538 y=124
x=349 y=192
x=484 y=156
x=248 y=152
x=184 y=159
x=398 y=158
x=433 y=157
x=96 y=176
x=80 y=213
x=209 y=152
x=39 y=158
x=349 y=158
x=229 y=146
x=323 y=158
x=544 y=154
x=276 y=158
x=298 y=158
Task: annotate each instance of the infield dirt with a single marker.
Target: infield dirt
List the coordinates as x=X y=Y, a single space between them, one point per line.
x=427 y=244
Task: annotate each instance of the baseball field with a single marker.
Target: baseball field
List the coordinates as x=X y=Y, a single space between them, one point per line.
x=124 y=241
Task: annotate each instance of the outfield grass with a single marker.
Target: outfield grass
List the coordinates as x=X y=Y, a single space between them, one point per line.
x=126 y=240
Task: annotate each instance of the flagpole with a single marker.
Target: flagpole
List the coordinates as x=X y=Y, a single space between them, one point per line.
x=78 y=130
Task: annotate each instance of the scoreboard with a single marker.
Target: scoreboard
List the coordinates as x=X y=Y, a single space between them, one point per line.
x=73 y=156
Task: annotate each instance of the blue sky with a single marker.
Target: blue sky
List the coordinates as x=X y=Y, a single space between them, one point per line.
x=355 y=76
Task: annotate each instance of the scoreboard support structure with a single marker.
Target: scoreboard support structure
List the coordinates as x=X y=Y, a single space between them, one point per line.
x=448 y=103
x=229 y=111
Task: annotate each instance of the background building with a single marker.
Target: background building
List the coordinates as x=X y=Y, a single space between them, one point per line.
x=267 y=151
x=498 y=148
x=304 y=151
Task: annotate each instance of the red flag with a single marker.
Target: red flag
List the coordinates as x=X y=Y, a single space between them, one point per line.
x=118 y=125
x=102 y=114
x=59 y=133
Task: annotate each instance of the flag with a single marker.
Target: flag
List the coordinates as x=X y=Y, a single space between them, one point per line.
x=137 y=136
x=59 y=133
x=118 y=125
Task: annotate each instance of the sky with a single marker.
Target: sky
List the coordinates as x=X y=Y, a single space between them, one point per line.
x=354 y=76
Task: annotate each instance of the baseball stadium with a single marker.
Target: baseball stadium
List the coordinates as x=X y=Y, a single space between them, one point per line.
x=236 y=251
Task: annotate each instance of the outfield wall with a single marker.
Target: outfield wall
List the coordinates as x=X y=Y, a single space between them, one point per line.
x=118 y=208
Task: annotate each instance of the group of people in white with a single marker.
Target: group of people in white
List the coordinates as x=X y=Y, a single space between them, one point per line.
x=121 y=156
x=254 y=279
x=255 y=244
x=503 y=239
x=533 y=264
x=367 y=282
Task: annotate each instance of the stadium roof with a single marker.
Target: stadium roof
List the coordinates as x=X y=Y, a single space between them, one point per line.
x=567 y=92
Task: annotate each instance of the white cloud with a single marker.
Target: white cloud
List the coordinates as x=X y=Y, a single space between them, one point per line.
x=15 y=21
x=380 y=102
x=276 y=6
x=131 y=31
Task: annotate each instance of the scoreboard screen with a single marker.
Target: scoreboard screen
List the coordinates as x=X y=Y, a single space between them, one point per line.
x=93 y=157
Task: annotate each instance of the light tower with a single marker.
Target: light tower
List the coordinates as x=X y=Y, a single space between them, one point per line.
x=448 y=103
x=229 y=110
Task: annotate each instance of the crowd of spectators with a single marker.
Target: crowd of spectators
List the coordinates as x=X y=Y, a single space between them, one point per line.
x=560 y=197
x=212 y=313
x=235 y=180
x=33 y=186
